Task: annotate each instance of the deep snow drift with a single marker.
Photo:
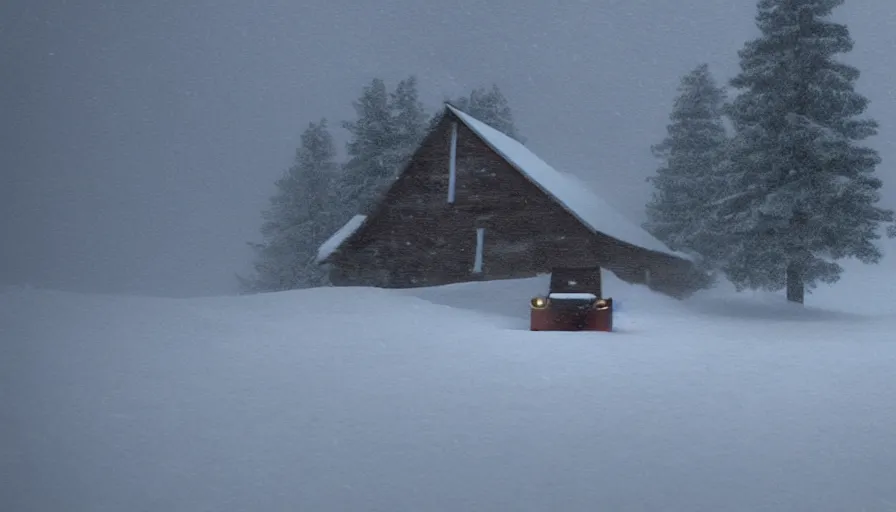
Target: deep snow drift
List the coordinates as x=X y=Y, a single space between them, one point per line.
x=439 y=399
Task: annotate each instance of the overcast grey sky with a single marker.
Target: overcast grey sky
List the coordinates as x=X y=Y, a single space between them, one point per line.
x=140 y=140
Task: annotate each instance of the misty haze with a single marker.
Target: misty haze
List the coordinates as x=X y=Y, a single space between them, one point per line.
x=328 y=255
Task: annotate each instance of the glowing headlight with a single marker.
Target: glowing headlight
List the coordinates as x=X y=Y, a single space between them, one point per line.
x=539 y=302
x=602 y=304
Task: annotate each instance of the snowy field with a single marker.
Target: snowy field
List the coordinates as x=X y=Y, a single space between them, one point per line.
x=441 y=400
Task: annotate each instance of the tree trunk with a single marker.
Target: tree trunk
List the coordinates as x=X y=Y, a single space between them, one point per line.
x=795 y=286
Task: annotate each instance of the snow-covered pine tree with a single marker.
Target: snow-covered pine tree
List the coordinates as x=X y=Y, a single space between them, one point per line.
x=372 y=133
x=491 y=107
x=802 y=191
x=409 y=117
x=301 y=216
x=686 y=183
x=409 y=125
x=385 y=133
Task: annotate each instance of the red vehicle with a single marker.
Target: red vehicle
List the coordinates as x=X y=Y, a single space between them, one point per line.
x=573 y=303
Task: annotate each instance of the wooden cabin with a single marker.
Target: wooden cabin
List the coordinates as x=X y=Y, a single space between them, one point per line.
x=474 y=204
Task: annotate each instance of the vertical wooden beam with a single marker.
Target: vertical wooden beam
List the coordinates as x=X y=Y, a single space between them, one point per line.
x=480 y=242
x=452 y=164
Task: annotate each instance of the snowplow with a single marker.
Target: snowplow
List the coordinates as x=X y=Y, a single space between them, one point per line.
x=574 y=302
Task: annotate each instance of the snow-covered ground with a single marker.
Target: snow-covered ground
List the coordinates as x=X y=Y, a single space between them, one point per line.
x=441 y=400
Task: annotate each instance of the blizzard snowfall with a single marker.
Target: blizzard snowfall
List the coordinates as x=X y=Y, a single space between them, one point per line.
x=441 y=400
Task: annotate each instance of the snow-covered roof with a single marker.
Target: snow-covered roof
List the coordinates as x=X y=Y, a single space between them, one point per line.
x=329 y=247
x=576 y=197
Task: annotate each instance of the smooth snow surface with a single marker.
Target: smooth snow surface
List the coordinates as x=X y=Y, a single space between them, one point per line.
x=439 y=399
x=569 y=191
x=327 y=248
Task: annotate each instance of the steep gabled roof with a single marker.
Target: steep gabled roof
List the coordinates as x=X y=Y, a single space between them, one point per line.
x=571 y=193
x=568 y=191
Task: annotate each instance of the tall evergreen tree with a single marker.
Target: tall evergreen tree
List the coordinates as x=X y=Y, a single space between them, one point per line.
x=386 y=131
x=301 y=216
x=372 y=133
x=409 y=118
x=687 y=181
x=802 y=191
x=491 y=107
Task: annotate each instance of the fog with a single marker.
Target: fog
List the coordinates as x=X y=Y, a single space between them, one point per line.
x=140 y=140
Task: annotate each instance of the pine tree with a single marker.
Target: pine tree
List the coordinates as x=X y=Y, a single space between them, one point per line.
x=300 y=218
x=372 y=134
x=388 y=128
x=409 y=118
x=686 y=183
x=491 y=107
x=801 y=190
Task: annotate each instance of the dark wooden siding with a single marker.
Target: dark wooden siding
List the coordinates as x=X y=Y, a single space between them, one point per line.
x=416 y=238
